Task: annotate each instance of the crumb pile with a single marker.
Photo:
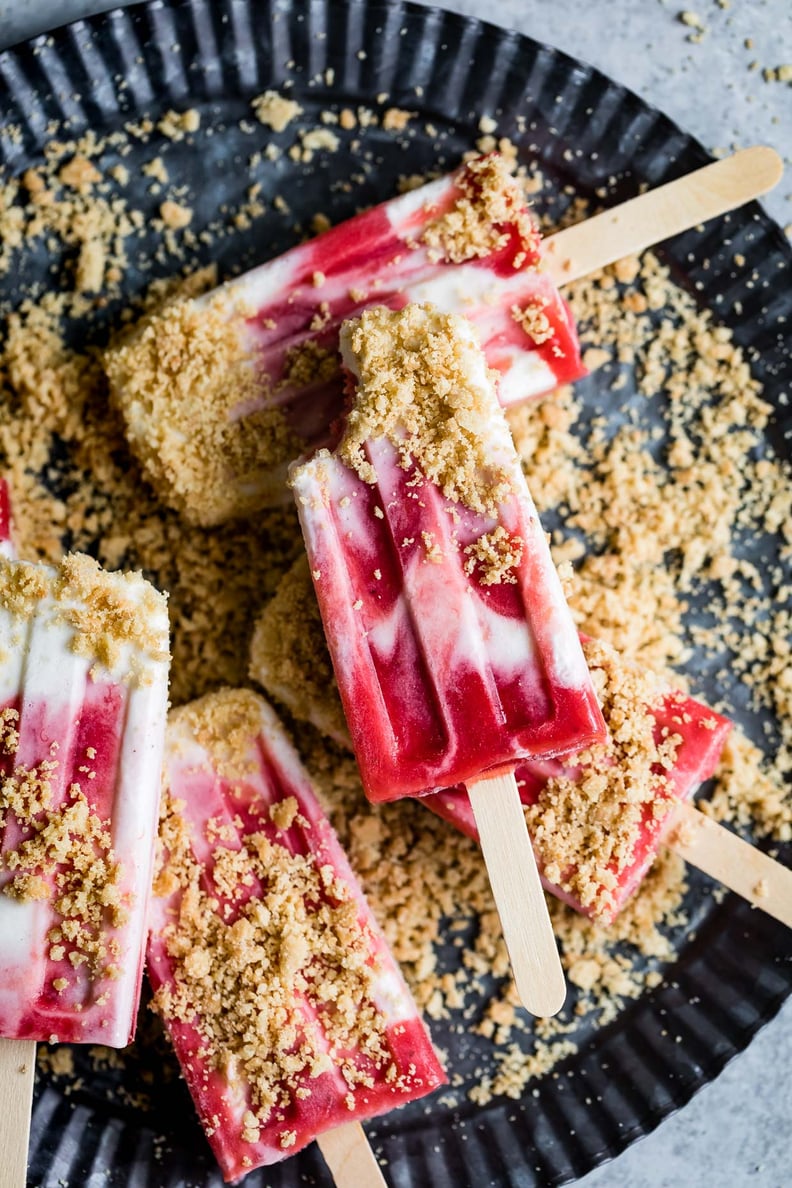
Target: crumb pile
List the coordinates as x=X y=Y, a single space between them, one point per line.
x=649 y=520
x=490 y=209
x=423 y=385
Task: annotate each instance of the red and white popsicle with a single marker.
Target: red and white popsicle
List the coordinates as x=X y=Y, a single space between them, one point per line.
x=288 y=1014
x=466 y=242
x=453 y=647
x=84 y=665
x=613 y=801
x=215 y=438
x=662 y=745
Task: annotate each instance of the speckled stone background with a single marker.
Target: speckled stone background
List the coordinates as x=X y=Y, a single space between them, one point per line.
x=712 y=69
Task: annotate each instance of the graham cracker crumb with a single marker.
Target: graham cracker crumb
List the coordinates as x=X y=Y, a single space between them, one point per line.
x=187 y=364
x=176 y=125
x=424 y=386
x=275 y=111
x=495 y=556
x=476 y=225
x=534 y=322
x=176 y=216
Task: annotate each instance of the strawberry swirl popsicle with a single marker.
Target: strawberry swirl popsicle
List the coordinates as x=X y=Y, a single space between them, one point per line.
x=598 y=818
x=219 y=394
x=83 y=694
x=287 y=1012
x=453 y=647
x=454 y=650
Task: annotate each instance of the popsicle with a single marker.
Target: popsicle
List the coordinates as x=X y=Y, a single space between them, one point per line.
x=455 y=653
x=287 y=1012
x=219 y=394
x=83 y=692
x=598 y=818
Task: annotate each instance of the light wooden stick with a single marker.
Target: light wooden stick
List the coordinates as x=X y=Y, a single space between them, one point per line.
x=351 y=1160
x=17 y=1072
x=658 y=214
x=738 y=865
x=518 y=893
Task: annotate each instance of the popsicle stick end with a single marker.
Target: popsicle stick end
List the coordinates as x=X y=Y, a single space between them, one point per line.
x=511 y=865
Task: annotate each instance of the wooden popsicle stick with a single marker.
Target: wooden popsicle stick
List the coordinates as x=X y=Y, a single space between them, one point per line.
x=658 y=214
x=738 y=865
x=511 y=865
x=351 y=1160
x=17 y=1073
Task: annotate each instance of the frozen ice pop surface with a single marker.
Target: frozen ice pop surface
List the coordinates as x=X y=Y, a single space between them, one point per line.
x=83 y=694
x=452 y=644
x=287 y=1012
x=6 y=543
x=219 y=394
x=597 y=818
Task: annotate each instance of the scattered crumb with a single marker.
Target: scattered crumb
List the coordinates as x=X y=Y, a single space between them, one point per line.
x=275 y=111
x=176 y=216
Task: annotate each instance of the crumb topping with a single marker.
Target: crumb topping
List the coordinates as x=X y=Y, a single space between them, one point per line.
x=491 y=207
x=65 y=855
x=223 y=726
x=534 y=321
x=113 y=616
x=423 y=386
x=585 y=825
x=495 y=555
x=177 y=378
